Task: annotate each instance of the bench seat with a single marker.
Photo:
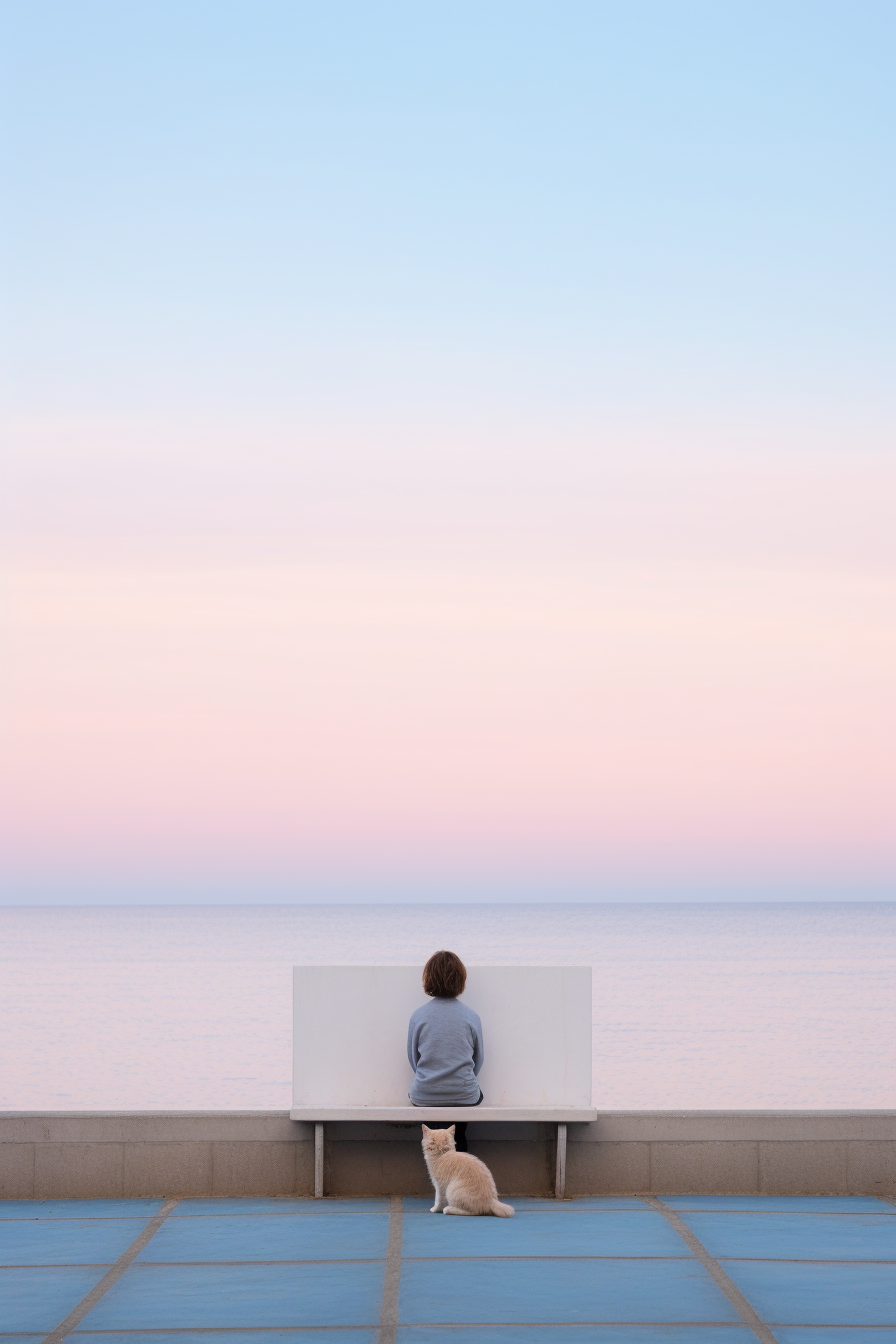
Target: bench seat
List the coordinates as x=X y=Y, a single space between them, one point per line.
x=415 y=1115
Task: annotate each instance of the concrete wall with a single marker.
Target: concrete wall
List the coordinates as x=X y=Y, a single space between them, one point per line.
x=47 y=1155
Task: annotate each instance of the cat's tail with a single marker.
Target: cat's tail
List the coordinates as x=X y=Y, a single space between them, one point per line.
x=501 y=1210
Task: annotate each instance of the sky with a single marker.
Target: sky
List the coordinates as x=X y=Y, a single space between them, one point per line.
x=447 y=450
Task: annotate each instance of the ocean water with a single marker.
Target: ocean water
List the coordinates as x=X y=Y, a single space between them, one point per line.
x=695 y=1006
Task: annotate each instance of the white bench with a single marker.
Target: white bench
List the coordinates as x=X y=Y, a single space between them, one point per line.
x=349 y=1048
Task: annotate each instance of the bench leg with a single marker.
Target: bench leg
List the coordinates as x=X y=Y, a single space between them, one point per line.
x=560 y=1174
x=318 y=1160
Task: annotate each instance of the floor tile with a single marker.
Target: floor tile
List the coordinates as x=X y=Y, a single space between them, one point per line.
x=527 y=1203
x=511 y=1291
x=229 y=1337
x=38 y=1299
x=337 y=1236
x=805 y=1334
x=781 y=1203
x=168 y=1297
x=788 y=1294
x=575 y=1334
x=70 y=1241
x=79 y=1208
x=593 y=1202
x=539 y=1233
x=795 y=1236
x=192 y=1207
x=411 y=1204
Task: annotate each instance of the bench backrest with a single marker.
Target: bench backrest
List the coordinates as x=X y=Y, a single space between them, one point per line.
x=350 y=1034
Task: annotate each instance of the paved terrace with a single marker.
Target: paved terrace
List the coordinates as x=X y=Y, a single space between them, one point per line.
x=719 y=1270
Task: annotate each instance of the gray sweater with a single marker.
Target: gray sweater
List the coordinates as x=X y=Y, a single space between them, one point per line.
x=445 y=1051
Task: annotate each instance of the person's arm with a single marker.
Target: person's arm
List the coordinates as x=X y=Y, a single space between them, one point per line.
x=478 y=1048
x=413 y=1053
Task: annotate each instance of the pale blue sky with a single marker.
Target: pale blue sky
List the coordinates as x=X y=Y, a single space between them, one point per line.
x=228 y=206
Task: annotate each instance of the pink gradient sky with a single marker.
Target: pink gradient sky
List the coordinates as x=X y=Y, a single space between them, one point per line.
x=683 y=676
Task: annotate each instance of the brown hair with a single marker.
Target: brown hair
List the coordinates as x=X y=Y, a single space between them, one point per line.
x=444 y=976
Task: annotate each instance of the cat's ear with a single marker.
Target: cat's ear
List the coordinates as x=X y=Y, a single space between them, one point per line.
x=426 y=1129
x=451 y=1129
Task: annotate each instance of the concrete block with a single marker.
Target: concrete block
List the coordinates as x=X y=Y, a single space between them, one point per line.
x=253 y=1168
x=803 y=1168
x=705 y=1168
x=370 y=1131
x=16 y=1171
x=607 y=1169
x=24 y=1128
x=359 y=1168
x=304 y=1168
x=262 y=1127
x=144 y=1126
x=518 y=1168
x=689 y=1126
x=871 y=1168
x=168 y=1169
x=78 y=1170
x=520 y=1132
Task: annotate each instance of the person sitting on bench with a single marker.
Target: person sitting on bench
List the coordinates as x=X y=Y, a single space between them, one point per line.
x=445 y=1043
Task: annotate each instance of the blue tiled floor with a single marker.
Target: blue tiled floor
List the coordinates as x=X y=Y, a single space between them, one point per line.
x=79 y=1208
x=167 y=1297
x=525 y=1203
x=295 y=1336
x=492 y=1291
x=288 y=1336
x=845 y=1334
x=589 y=1271
x=795 y=1236
x=337 y=1236
x=780 y=1203
x=557 y=1233
x=576 y=1334
x=38 y=1299
x=70 y=1241
x=833 y=1294
x=193 y=1208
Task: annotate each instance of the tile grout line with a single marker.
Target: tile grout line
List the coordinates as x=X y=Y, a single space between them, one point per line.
x=225 y=1330
x=391 y=1274
x=112 y=1275
x=447 y=1259
x=746 y=1312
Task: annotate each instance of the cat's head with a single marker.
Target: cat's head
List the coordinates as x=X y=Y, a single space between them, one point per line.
x=438 y=1141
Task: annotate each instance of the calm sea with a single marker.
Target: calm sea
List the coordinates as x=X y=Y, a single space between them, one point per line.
x=695 y=1006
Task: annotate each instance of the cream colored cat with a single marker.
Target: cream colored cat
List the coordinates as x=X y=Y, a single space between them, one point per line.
x=463 y=1183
